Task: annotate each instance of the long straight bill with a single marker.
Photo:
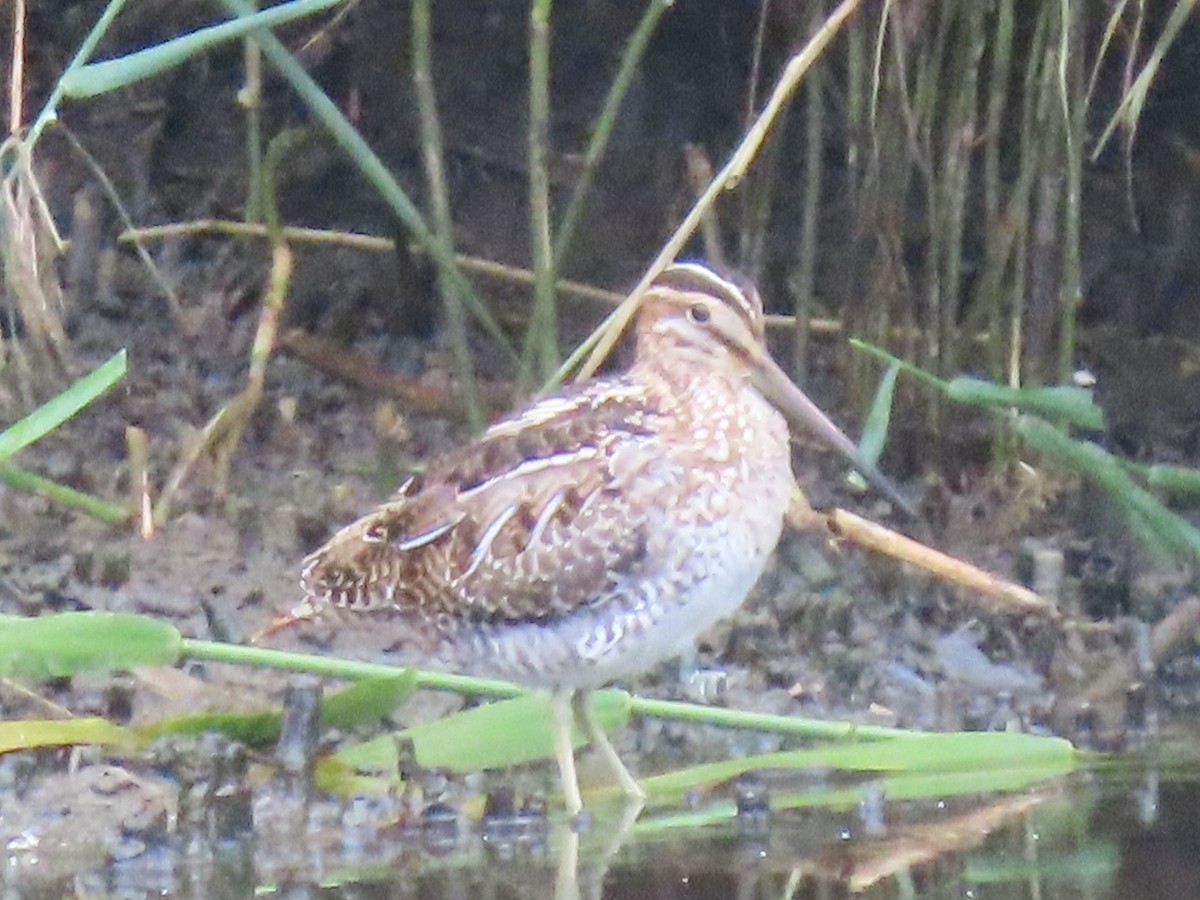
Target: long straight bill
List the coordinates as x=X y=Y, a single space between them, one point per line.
x=774 y=384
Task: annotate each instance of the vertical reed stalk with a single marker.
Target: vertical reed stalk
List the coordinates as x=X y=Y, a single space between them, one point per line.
x=997 y=107
x=960 y=132
x=439 y=199
x=856 y=104
x=1074 y=124
x=539 y=358
x=814 y=153
x=250 y=98
x=16 y=75
x=1031 y=117
x=1046 y=235
x=755 y=195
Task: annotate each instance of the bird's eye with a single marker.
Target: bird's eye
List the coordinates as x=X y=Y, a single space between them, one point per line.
x=699 y=313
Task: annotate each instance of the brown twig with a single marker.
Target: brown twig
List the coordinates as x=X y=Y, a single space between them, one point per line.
x=1007 y=597
x=344 y=364
x=373 y=244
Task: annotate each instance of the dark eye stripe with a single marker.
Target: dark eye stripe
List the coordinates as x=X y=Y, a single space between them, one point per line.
x=694 y=277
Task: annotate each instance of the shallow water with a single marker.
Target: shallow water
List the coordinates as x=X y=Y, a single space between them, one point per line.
x=1118 y=828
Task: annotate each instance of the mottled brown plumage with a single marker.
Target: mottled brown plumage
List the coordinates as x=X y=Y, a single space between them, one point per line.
x=598 y=530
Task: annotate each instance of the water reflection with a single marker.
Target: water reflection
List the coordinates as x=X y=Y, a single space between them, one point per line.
x=1129 y=832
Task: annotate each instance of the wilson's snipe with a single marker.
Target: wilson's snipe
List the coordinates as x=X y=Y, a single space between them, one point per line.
x=597 y=531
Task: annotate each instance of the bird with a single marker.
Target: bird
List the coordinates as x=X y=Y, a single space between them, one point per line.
x=597 y=531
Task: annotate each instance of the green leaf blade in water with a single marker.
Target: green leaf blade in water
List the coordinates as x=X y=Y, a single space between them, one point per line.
x=65 y=644
x=505 y=733
x=364 y=702
x=1012 y=776
x=35 y=733
x=943 y=754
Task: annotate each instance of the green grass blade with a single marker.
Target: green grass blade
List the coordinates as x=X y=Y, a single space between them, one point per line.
x=941 y=753
x=368 y=701
x=350 y=669
x=1175 y=480
x=250 y=728
x=67 y=643
x=53 y=413
x=875 y=430
x=901 y=786
x=379 y=754
x=1064 y=402
x=98 y=78
x=96 y=507
x=365 y=702
x=904 y=365
x=1091 y=460
x=799 y=726
x=34 y=733
x=49 y=110
x=503 y=734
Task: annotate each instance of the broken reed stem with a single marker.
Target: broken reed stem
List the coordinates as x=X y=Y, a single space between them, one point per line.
x=601 y=341
x=1176 y=629
x=602 y=130
x=439 y=199
x=1009 y=598
x=539 y=356
x=137 y=451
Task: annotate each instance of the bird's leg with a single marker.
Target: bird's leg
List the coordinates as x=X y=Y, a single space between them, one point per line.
x=582 y=703
x=563 y=722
